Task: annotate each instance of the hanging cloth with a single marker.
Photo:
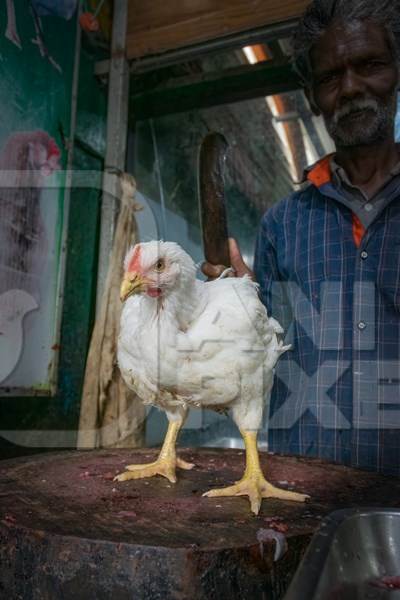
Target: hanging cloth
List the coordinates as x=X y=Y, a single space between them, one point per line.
x=111 y=414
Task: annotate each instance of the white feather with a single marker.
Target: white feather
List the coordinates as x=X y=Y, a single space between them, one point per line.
x=203 y=344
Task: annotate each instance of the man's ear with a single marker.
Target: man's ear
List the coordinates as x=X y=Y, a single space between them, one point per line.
x=310 y=97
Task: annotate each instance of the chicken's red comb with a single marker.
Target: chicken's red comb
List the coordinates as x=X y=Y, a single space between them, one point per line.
x=132 y=259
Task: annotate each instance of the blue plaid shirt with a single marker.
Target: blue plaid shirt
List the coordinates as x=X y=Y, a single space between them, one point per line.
x=337 y=391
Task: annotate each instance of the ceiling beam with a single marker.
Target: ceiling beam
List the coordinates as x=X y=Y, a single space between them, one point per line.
x=259 y=35
x=212 y=89
x=162 y=25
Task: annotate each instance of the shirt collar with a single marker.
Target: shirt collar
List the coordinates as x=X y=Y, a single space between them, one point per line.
x=320 y=172
x=325 y=169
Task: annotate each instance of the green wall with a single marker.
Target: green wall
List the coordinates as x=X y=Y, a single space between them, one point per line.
x=33 y=94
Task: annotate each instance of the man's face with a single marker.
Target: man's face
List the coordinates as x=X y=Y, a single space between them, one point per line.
x=355 y=79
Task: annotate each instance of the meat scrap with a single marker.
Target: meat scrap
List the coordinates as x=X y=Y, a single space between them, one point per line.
x=281 y=545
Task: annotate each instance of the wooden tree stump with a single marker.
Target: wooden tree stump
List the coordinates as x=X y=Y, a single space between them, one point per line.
x=68 y=531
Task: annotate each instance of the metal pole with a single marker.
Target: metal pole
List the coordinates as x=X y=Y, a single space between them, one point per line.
x=117 y=128
x=68 y=183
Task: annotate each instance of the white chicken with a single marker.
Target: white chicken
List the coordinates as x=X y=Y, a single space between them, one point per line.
x=187 y=343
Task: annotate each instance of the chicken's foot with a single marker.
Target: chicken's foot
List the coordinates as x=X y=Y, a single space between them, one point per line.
x=166 y=462
x=253 y=483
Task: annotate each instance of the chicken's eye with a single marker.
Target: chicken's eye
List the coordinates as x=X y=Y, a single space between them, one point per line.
x=160 y=265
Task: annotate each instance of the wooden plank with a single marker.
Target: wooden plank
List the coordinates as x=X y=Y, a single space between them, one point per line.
x=213 y=89
x=157 y=26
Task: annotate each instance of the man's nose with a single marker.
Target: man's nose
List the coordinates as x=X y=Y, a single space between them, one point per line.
x=352 y=84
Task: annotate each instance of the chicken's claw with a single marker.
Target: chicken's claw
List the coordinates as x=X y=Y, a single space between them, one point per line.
x=256 y=488
x=182 y=464
x=162 y=466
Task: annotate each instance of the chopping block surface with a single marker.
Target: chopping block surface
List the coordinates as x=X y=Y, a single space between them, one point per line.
x=70 y=529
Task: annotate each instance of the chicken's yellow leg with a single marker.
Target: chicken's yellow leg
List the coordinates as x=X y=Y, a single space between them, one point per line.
x=166 y=462
x=253 y=483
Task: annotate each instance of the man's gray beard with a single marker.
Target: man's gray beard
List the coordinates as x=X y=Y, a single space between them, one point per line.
x=381 y=124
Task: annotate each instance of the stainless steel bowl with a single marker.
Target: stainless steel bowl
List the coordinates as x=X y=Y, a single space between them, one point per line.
x=355 y=555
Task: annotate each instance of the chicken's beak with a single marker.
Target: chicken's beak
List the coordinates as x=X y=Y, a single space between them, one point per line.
x=133 y=283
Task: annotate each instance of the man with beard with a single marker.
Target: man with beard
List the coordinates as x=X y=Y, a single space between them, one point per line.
x=328 y=257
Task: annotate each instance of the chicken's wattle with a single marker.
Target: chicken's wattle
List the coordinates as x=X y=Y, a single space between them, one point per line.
x=154 y=292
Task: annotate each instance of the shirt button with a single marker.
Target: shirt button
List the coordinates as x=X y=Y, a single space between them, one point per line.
x=368 y=207
x=364 y=255
x=361 y=325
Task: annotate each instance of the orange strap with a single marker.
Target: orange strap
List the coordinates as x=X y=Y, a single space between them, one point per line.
x=358 y=230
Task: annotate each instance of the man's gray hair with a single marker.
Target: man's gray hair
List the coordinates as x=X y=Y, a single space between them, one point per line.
x=320 y=14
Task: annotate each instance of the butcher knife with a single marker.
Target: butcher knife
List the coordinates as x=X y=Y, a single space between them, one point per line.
x=212 y=199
